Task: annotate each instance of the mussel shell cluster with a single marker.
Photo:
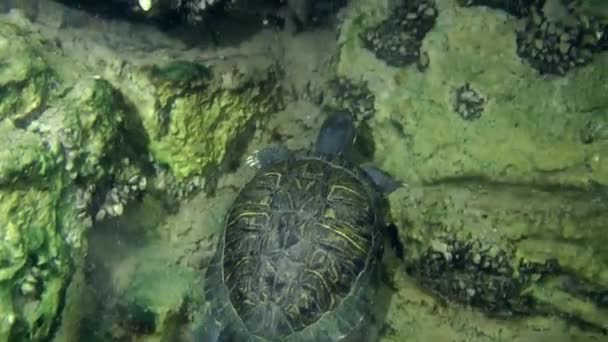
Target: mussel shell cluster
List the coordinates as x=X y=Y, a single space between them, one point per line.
x=554 y=47
x=468 y=103
x=397 y=40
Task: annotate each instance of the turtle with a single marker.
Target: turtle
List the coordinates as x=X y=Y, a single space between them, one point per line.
x=301 y=245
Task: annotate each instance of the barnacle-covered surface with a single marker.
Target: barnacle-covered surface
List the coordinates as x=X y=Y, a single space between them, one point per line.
x=397 y=39
x=468 y=103
x=518 y=8
x=509 y=249
x=25 y=77
x=502 y=207
x=351 y=96
x=557 y=35
x=530 y=130
x=557 y=39
x=84 y=140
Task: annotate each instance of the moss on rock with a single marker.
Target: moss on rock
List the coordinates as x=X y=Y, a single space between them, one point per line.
x=530 y=127
x=34 y=259
x=198 y=112
x=43 y=226
x=24 y=75
x=511 y=214
x=22 y=155
x=84 y=128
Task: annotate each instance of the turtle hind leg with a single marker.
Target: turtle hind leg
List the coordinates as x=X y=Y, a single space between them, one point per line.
x=267 y=156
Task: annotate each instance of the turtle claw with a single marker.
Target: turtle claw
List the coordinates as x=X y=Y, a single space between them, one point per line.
x=267 y=156
x=253 y=160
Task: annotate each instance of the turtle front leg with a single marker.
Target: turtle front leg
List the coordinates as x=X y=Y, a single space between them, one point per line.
x=382 y=180
x=267 y=156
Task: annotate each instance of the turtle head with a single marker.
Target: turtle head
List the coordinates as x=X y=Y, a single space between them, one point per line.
x=337 y=135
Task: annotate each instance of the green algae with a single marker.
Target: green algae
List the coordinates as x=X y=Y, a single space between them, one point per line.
x=32 y=239
x=43 y=237
x=88 y=125
x=24 y=75
x=26 y=157
x=529 y=130
x=198 y=113
x=61 y=145
x=503 y=213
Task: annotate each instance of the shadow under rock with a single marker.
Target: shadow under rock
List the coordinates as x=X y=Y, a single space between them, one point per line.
x=220 y=27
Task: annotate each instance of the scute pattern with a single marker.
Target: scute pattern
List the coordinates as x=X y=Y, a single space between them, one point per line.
x=297 y=238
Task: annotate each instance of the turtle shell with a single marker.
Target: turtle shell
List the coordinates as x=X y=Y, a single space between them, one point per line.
x=299 y=245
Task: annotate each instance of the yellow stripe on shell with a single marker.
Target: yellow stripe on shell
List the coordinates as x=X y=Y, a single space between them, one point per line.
x=345 y=188
x=248 y=214
x=344 y=236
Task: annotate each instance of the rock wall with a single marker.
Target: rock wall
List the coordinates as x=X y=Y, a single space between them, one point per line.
x=86 y=130
x=506 y=164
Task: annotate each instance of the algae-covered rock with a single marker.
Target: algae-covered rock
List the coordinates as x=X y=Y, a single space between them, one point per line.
x=41 y=211
x=509 y=249
x=35 y=263
x=416 y=315
x=23 y=155
x=34 y=252
x=195 y=112
x=24 y=75
x=510 y=219
x=529 y=127
x=84 y=127
x=72 y=155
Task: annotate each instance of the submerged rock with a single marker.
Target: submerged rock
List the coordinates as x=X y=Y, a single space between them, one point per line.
x=25 y=77
x=30 y=237
x=504 y=213
x=49 y=142
x=197 y=112
x=518 y=8
x=508 y=249
x=42 y=236
x=83 y=128
x=530 y=129
x=397 y=39
x=81 y=138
